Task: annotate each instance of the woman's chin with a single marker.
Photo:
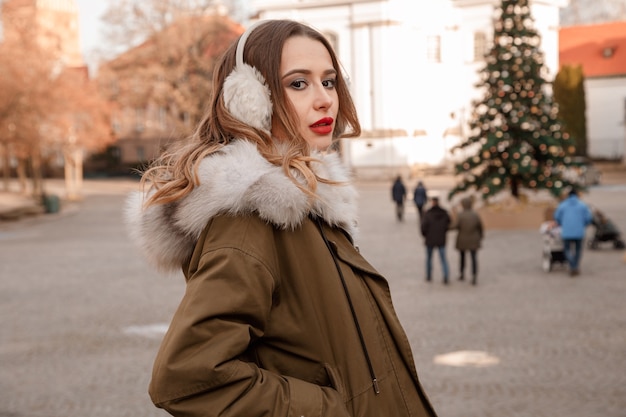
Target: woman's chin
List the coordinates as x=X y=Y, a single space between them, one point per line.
x=320 y=143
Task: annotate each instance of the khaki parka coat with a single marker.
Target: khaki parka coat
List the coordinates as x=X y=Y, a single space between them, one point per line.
x=470 y=228
x=281 y=316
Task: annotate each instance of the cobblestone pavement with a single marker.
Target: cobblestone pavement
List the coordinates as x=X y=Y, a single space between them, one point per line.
x=81 y=317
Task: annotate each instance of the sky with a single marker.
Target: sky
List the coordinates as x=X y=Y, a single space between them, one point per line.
x=89 y=13
x=91 y=26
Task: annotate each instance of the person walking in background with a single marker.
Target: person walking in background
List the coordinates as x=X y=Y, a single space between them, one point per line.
x=282 y=316
x=573 y=216
x=398 y=195
x=420 y=198
x=469 y=237
x=434 y=227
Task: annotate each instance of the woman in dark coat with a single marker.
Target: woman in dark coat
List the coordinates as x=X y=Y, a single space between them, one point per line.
x=398 y=195
x=469 y=237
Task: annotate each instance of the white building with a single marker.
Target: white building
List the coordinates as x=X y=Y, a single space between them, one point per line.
x=412 y=65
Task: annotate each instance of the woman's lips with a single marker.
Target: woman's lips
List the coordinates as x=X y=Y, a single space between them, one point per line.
x=323 y=126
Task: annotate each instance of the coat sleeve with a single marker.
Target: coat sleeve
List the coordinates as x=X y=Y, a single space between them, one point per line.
x=200 y=369
x=588 y=216
x=480 y=227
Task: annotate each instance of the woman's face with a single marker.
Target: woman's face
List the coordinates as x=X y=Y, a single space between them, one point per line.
x=308 y=78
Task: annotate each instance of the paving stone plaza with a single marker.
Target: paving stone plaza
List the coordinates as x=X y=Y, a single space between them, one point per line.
x=81 y=316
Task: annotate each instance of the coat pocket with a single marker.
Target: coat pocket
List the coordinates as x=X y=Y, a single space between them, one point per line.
x=335 y=381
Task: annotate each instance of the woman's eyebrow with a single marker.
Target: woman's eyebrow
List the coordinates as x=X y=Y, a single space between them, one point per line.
x=330 y=71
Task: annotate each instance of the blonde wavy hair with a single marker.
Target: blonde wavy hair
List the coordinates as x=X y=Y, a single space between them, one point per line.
x=174 y=174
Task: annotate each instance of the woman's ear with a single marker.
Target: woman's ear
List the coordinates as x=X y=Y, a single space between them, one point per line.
x=246 y=94
x=247 y=97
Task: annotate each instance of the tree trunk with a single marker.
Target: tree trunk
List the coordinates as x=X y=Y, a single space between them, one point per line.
x=73 y=173
x=79 y=171
x=514 y=187
x=69 y=174
x=21 y=175
x=37 y=173
x=6 y=167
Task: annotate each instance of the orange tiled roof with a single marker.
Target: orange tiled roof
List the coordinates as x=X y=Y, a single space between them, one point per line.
x=600 y=48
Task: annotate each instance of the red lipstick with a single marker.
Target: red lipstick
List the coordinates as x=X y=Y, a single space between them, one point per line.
x=323 y=126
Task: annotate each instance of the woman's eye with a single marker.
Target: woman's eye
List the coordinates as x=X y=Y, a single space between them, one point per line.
x=330 y=83
x=298 y=84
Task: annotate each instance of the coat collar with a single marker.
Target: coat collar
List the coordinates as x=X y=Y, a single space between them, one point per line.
x=238 y=180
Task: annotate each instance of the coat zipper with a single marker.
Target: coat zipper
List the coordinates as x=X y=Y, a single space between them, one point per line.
x=354 y=316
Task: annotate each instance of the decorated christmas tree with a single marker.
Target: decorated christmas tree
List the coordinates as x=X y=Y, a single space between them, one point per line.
x=516 y=139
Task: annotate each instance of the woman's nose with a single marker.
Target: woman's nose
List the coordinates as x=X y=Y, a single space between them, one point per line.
x=323 y=99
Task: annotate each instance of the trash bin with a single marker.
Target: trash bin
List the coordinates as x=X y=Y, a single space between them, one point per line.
x=51 y=203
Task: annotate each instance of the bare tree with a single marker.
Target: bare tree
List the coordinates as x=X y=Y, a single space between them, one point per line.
x=172 y=69
x=131 y=22
x=80 y=121
x=44 y=106
x=27 y=70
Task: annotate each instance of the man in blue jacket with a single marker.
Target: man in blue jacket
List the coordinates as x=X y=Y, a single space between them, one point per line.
x=573 y=216
x=420 y=197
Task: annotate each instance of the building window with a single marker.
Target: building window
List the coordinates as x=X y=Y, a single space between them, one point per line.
x=480 y=46
x=116 y=125
x=162 y=118
x=140 y=120
x=115 y=152
x=608 y=52
x=141 y=153
x=114 y=88
x=433 y=48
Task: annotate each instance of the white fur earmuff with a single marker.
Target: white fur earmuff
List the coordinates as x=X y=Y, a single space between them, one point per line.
x=246 y=95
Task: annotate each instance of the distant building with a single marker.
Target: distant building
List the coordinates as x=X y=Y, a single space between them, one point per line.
x=412 y=67
x=601 y=51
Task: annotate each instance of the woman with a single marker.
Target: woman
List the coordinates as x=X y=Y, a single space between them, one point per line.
x=281 y=315
x=468 y=238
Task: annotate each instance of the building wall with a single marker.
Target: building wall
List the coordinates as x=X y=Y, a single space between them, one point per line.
x=142 y=133
x=58 y=20
x=606 y=116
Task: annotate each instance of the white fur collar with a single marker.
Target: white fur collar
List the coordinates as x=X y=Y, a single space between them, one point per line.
x=237 y=180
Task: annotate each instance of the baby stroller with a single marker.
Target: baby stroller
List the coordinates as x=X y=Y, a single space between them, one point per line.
x=605 y=231
x=553 y=252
